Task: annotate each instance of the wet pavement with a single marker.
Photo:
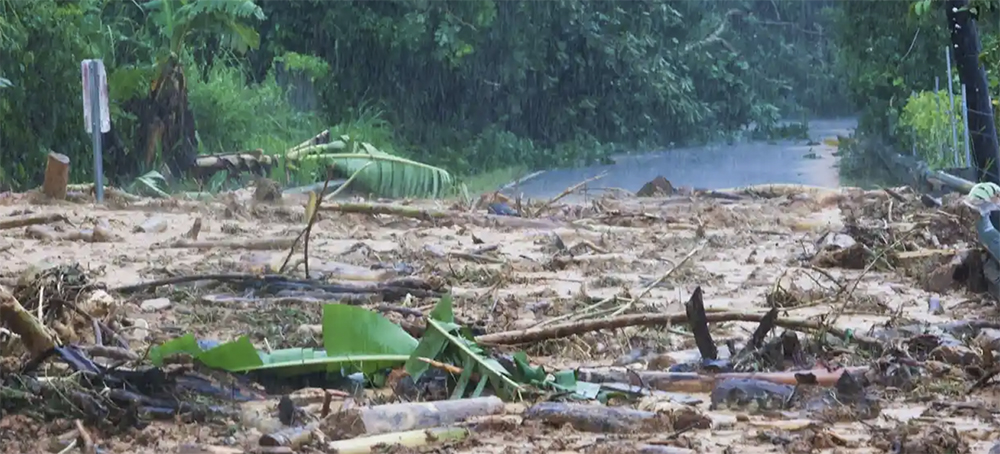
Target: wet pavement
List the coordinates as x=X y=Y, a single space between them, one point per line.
x=711 y=166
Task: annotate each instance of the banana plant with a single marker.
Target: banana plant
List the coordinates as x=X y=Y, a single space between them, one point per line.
x=387 y=176
x=177 y=21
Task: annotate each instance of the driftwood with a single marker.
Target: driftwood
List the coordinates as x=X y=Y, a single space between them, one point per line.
x=250 y=244
x=571 y=328
x=98 y=234
x=599 y=418
x=409 y=439
x=56 y=176
x=15 y=317
x=14 y=222
x=686 y=382
x=388 y=419
x=438 y=215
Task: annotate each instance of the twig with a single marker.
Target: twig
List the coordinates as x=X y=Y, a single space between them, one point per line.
x=84 y=440
x=309 y=225
x=312 y=219
x=650 y=287
x=567 y=192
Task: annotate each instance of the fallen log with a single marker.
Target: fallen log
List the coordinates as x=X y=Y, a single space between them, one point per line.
x=409 y=439
x=99 y=234
x=249 y=244
x=687 y=382
x=17 y=319
x=14 y=222
x=579 y=327
x=605 y=419
x=389 y=419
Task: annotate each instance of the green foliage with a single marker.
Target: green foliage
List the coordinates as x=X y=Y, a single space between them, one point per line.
x=444 y=339
x=469 y=86
x=379 y=172
x=926 y=115
x=313 y=66
x=232 y=115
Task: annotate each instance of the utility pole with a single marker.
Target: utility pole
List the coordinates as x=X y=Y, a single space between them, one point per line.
x=981 y=127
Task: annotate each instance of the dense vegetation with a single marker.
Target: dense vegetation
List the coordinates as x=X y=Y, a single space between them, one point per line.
x=471 y=86
x=891 y=53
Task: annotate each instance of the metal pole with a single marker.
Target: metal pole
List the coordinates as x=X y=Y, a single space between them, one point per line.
x=965 y=119
x=937 y=100
x=951 y=107
x=95 y=125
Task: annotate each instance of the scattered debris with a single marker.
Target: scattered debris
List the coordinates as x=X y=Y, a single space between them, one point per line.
x=775 y=314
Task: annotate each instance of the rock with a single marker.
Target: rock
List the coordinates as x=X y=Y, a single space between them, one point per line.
x=139 y=331
x=659 y=186
x=154 y=305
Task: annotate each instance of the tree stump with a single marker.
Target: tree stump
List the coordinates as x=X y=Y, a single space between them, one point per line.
x=56 y=176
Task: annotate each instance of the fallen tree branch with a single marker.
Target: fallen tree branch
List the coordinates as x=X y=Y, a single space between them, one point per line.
x=567 y=192
x=20 y=321
x=572 y=328
x=99 y=234
x=660 y=279
x=14 y=222
x=689 y=382
x=249 y=244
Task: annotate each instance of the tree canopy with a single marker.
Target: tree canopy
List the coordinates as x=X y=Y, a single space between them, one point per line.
x=470 y=86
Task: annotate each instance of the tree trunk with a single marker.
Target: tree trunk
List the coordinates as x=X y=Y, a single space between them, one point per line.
x=167 y=124
x=56 y=176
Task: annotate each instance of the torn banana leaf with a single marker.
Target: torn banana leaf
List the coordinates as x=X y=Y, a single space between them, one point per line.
x=445 y=339
x=355 y=340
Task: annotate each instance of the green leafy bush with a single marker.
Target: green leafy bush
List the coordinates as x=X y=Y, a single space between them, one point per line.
x=234 y=116
x=925 y=116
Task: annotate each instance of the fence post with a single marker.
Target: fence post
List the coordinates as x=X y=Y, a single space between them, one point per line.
x=951 y=105
x=937 y=100
x=965 y=120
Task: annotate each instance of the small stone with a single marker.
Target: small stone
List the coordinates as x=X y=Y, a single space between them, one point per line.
x=139 y=331
x=155 y=304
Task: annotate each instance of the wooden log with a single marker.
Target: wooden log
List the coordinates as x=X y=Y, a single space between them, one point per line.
x=381 y=419
x=34 y=335
x=56 y=176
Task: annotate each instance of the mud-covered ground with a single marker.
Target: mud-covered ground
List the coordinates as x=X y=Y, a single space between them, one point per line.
x=761 y=251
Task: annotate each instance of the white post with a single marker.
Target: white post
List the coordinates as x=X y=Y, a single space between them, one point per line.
x=965 y=120
x=937 y=100
x=951 y=108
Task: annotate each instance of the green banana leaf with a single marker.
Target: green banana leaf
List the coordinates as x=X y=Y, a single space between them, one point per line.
x=355 y=340
x=388 y=176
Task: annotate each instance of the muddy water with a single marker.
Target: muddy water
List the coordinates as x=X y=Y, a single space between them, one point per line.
x=712 y=166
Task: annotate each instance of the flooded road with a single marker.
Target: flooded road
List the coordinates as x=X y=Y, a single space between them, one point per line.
x=712 y=166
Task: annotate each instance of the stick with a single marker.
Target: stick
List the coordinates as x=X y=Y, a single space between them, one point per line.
x=84 y=440
x=567 y=192
x=14 y=222
x=650 y=287
x=411 y=439
x=312 y=219
x=569 y=329
x=250 y=244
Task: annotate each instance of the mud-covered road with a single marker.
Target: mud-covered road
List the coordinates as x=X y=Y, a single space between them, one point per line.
x=713 y=166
